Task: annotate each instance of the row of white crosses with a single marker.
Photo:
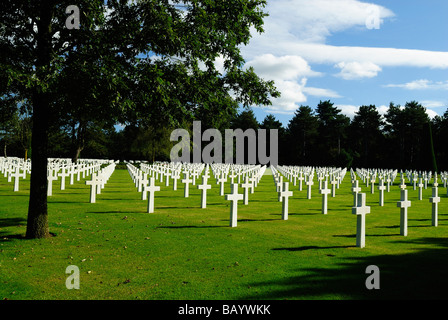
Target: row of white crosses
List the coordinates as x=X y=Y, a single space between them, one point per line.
x=13 y=167
x=145 y=186
x=360 y=209
x=325 y=175
x=99 y=180
x=191 y=172
x=256 y=172
x=63 y=168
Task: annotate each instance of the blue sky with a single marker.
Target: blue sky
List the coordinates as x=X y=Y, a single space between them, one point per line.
x=353 y=53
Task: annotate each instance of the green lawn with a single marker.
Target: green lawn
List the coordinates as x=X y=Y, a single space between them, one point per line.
x=184 y=252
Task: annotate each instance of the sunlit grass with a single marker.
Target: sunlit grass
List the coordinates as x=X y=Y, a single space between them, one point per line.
x=184 y=252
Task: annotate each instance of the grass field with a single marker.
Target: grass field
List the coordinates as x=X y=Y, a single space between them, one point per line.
x=184 y=252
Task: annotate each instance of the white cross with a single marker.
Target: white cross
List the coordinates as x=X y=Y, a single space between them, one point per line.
x=356 y=189
x=232 y=176
x=167 y=177
x=285 y=194
x=187 y=181
x=279 y=185
x=63 y=174
x=253 y=181
x=403 y=184
x=381 y=188
x=333 y=187
x=93 y=185
x=361 y=210
x=176 y=175
x=435 y=199
x=50 y=179
x=221 y=181
x=420 y=190
x=143 y=184
x=234 y=197
x=204 y=187
x=309 y=183
x=300 y=178
x=151 y=188
x=372 y=181
x=325 y=192
x=404 y=204
x=246 y=185
x=16 y=175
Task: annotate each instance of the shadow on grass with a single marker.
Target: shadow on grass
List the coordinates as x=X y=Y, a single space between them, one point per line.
x=189 y=227
x=10 y=222
x=312 y=248
x=419 y=275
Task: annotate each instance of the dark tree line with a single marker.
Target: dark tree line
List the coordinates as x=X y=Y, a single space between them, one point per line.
x=405 y=137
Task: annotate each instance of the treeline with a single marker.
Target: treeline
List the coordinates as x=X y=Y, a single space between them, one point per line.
x=404 y=137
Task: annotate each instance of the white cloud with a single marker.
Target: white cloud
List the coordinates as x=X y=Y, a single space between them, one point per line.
x=301 y=27
x=295 y=38
x=348 y=110
x=422 y=84
x=319 y=92
x=290 y=74
x=357 y=70
x=281 y=68
x=383 y=110
x=434 y=104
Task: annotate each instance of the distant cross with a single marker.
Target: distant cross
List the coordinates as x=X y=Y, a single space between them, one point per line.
x=187 y=182
x=167 y=177
x=151 y=188
x=309 y=183
x=324 y=192
x=404 y=204
x=204 y=187
x=403 y=184
x=435 y=199
x=63 y=174
x=176 y=175
x=435 y=184
x=334 y=182
x=246 y=185
x=300 y=178
x=16 y=175
x=420 y=190
x=356 y=189
x=143 y=184
x=361 y=210
x=253 y=180
x=50 y=179
x=221 y=181
x=372 y=184
x=234 y=197
x=285 y=194
x=279 y=188
x=232 y=176
x=93 y=186
x=388 y=180
x=381 y=188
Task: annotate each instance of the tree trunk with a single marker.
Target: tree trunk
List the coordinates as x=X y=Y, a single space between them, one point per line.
x=37 y=225
x=4 y=150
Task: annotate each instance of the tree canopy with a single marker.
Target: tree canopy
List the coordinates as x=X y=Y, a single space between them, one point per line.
x=129 y=62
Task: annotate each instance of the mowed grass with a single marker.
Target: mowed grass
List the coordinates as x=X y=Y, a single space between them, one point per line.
x=184 y=252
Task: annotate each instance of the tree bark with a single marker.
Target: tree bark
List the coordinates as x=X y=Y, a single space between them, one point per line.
x=37 y=224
